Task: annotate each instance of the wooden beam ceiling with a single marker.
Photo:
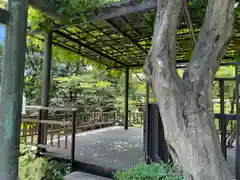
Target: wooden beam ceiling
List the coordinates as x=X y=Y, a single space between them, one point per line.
x=76 y=41
x=118 y=30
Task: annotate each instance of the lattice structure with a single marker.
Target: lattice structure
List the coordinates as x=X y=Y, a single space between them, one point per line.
x=124 y=41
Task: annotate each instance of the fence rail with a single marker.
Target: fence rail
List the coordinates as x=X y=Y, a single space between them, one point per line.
x=57 y=130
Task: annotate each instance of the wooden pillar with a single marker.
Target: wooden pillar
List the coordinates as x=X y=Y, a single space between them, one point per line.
x=238 y=125
x=47 y=68
x=155 y=143
x=12 y=83
x=152 y=143
x=42 y=137
x=126 y=99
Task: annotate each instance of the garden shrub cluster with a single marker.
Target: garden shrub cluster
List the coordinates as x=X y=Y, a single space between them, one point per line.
x=40 y=168
x=32 y=167
x=154 y=171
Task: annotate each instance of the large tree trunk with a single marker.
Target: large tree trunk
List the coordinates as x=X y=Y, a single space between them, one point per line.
x=185 y=103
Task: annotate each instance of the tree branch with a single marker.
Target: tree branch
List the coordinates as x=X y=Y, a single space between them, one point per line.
x=187 y=16
x=212 y=40
x=161 y=57
x=160 y=67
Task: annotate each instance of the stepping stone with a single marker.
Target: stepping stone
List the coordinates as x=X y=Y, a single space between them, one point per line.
x=83 y=176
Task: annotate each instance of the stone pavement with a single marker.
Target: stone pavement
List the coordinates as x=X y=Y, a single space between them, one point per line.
x=83 y=176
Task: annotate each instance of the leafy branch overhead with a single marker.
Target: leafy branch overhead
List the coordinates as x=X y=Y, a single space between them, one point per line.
x=70 y=9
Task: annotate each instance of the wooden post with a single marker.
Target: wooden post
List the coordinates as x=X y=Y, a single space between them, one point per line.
x=12 y=83
x=155 y=144
x=238 y=125
x=126 y=99
x=145 y=126
x=40 y=137
x=46 y=85
x=222 y=123
x=152 y=141
x=47 y=68
x=73 y=140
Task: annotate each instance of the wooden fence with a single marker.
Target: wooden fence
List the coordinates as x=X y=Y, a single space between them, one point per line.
x=57 y=130
x=136 y=119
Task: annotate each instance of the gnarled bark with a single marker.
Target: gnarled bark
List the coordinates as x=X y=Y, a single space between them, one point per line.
x=185 y=103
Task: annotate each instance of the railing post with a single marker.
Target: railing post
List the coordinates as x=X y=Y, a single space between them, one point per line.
x=73 y=140
x=115 y=118
x=145 y=125
x=40 y=134
x=126 y=99
x=118 y=116
x=130 y=118
x=223 y=124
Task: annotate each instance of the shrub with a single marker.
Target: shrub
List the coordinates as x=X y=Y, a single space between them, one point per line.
x=40 y=168
x=154 y=171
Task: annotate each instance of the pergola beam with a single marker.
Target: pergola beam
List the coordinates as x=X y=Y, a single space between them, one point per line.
x=126 y=58
x=146 y=21
x=178 y=63
x=118 y=30
x=90 y=48
x=108 y=12
x=93 y=35
x=126 y=21
x=74 y=51
x=4 y=17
